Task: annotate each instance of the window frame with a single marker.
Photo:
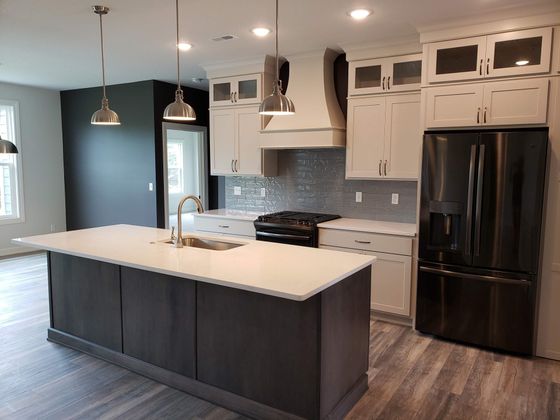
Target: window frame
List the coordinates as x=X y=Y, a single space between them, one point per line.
x=20 y=218
x=181 y=167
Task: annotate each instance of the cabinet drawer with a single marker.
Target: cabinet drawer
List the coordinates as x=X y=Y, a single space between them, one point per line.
x=224 y=226
x=366 y=241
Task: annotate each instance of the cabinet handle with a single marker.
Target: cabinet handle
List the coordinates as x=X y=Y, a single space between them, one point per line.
x=231 y=96
x=487 y=66
x=380 y=162
x=236 y=165
x=383 y=83
x=223 y=226
x=389 y=83
x=362 y=242
x=485 y=109
x=234 y=96
x=480 y=67
x=232 y=170
x=385 y=168
x=478 y=116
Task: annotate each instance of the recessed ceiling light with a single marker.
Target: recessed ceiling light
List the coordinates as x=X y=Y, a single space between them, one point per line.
x=522 y=62
x=260 y=31
x=359 y=14
x=184 y=46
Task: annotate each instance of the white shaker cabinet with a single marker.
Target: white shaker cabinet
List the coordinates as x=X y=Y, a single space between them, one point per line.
x=383 y=137
x=237 y=90
x=516 y=102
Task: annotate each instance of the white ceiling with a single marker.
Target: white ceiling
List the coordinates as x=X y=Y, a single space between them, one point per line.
x=55 y=43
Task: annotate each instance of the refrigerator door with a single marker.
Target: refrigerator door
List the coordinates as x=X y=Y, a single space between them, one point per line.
x=482 y=308
x=447 y=194
x=509 y=200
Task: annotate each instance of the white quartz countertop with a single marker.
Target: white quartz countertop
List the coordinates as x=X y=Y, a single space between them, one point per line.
x=230 y=214
x=371 y=226
x=285 y=271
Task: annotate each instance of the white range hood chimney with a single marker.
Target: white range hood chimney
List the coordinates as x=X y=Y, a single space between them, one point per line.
x=318 y=121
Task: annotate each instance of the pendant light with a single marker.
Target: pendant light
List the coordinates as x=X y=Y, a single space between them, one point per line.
x=7 y=146
x=277 y=103
x=178 y=110
x=103 y=116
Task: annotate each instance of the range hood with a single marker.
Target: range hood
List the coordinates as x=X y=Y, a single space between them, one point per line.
x=318 y=121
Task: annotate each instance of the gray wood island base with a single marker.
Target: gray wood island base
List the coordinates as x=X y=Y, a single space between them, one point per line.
x=260 y=355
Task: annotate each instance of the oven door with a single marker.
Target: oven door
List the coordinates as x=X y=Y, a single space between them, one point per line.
x=290 y=235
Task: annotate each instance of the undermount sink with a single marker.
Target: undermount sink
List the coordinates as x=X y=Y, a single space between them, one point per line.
x=193 y=242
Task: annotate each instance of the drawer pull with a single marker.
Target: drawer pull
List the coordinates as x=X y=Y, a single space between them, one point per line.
x=224 y=226
x=362 y=242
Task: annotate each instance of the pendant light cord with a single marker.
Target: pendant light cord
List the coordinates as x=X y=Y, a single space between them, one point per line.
x=177 y=44
x=102 y=54
x=277 y=60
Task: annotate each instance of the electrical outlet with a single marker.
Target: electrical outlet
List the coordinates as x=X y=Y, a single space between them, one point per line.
x=53 y=227
x=263 y=192
x=394 y=198
x=358 y=196
x=150 y=186
x=236 y=190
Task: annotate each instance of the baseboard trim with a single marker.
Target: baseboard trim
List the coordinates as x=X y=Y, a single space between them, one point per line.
x=191 y=386
x=393 y=319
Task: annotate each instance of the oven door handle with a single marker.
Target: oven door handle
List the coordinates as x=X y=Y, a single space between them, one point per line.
x=284 y=236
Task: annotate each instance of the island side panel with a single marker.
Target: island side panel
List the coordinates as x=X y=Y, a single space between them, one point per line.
x=260 y=347
x=86 y=299
x=345 y=321
x=159 y=320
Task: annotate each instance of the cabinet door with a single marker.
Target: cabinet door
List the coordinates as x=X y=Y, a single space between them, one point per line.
x=249 y=153
x=404 y=73
x=367 y=76
x=365 y=138
x=402 y=137
x=461 y=59
x=221 y=91
x=519 y=53
x=222 y=141
x=454 y=106
x=247 y=89
x=515 y=102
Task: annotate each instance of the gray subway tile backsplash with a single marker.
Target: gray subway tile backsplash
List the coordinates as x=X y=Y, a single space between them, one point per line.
x=313 y=180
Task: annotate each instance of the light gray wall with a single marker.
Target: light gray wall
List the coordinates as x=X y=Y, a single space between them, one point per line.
x=313 y=180
x=43 y=170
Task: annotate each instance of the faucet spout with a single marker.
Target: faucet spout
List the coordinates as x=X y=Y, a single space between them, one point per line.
x=199 y=209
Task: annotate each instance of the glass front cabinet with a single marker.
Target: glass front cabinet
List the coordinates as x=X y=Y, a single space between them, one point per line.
x=385 y=75
x=500 y=55
x=236 y=90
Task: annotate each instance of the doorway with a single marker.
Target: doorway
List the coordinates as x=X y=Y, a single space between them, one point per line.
x=184 y=170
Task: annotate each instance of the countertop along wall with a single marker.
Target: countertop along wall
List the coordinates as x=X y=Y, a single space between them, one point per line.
x=313 y=180
x=43 y=173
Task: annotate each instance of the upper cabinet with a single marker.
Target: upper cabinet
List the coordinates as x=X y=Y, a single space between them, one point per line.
x=385 y=75
x=240 y=90
x=500 y=55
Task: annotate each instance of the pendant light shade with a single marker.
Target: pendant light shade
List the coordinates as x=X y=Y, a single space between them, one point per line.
x=178 y=110
x=7 y=146
x=103 y=116
x=277 y=103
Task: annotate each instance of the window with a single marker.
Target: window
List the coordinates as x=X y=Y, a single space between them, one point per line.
x=175 y=167
x=11 y=202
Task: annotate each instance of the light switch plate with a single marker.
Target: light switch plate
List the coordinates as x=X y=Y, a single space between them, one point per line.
x=263 y=192
x=236 y=190
x=358 y=196
x=394 y=198
x=150 y=186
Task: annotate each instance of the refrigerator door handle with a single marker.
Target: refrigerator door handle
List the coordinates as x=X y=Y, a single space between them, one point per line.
x=470 y=193
x=469 y=276
x=478 y=214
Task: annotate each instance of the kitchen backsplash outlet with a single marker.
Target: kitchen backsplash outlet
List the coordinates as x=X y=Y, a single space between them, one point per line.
x=313 y=180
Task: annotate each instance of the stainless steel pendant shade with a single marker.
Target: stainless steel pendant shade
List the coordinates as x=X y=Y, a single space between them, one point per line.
x=7 y=146
x=277 y=103
x=103 y=116
x=178 y=110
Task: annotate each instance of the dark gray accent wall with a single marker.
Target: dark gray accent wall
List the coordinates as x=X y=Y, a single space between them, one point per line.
x=313 y=180
x=108 y=168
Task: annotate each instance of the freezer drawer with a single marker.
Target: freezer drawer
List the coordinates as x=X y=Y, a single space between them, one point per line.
x=490 y=311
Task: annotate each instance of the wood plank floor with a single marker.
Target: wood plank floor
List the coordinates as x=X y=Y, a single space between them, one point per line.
x=411 y=376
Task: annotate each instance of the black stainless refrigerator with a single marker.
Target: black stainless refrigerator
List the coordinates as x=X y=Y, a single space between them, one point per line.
x=480 y=236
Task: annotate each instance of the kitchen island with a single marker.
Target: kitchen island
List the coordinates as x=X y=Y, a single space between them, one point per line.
x=265 y=329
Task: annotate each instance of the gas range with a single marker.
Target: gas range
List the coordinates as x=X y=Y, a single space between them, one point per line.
x=291 y=227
